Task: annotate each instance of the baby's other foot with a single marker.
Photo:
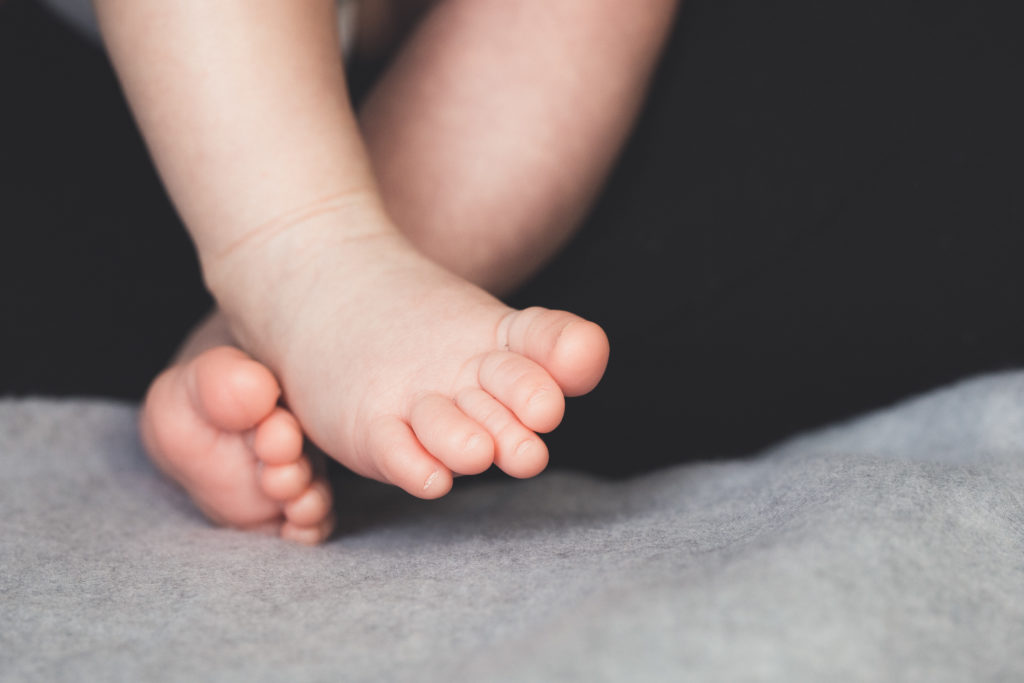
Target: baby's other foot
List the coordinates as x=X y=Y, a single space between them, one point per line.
x=213 y=425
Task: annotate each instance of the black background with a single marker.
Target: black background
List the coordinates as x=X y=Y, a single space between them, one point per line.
x=821 y=212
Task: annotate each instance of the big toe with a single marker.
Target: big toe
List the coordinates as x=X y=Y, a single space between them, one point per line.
x=572 y=350
x=230 y=389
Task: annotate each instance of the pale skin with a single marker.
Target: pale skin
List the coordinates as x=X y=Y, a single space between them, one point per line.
x=357 y=258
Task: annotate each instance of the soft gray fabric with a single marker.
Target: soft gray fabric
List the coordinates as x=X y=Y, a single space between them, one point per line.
x=891 y=548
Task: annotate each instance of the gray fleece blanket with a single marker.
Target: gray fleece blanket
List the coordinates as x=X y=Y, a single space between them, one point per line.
x=888 y=548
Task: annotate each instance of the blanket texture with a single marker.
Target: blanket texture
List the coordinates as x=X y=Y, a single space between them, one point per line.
x=887 y=548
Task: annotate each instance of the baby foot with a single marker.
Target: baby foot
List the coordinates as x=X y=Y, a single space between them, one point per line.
x=408 y=374
x=213 y=425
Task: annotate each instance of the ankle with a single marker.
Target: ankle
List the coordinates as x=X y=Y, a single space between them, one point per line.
x=267 y=266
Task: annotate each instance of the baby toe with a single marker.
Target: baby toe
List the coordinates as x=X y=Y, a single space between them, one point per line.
x=573 y=350
x=524 y=388
x=311 y=507
x=278 y=439
x=402 y=460
x=286 y=482
x=451 y=437
x=230 y=389
x=518 y=452
x=308 y=535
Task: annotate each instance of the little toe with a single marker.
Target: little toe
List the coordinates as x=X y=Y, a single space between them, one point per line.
x=451 y=437
x=402 y=460
x=524 y=388
x=310 y=508
x=518 y=452
x=230 y=389
x=277 y=440
x=573 y=350
x=286 y=482
x=308 y=535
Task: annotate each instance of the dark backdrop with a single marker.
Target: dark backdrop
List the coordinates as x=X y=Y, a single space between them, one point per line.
x=821 y=212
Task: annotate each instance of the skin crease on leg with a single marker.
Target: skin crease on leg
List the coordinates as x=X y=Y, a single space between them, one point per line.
x=508 y=384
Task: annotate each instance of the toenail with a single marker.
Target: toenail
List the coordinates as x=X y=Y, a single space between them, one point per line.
x=430 y=479
x=473 y=441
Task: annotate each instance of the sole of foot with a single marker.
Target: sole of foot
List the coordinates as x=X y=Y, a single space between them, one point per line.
x=213 y=425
